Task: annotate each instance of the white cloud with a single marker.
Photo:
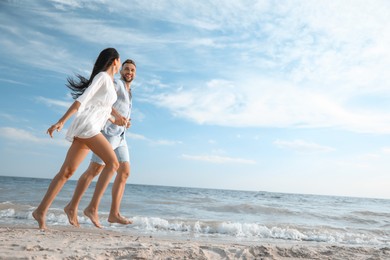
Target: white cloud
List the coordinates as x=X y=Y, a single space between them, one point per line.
x=14 y=82
x=54 y=102
x=65 y=4
x=18 y=134
x=217 y=159
x=188 y=24
x=303 y=146
x=166 y=142
x=151 y=141
x=135 y=136
x=268 y=103
x=290 y=64
x=9 y=117
x=39 y=50
x=321 y=61
x=21 y=135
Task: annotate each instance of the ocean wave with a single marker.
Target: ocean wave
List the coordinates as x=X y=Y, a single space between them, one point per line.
x=374 y=214
x=6 y=215
x=235 y=230
x=255 y=231
x=250 y=209
x=236 y=215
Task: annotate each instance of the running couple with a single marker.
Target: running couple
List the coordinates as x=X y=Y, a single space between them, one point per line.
x=102 y=114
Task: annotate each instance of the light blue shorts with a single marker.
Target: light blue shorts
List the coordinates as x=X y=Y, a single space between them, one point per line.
x=119 y=145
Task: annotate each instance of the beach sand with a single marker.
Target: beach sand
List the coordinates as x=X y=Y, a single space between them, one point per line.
x=26 y=242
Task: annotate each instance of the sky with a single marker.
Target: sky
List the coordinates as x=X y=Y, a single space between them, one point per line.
x=276 y=96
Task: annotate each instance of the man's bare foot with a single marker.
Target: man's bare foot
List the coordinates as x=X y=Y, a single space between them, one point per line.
x=40 y=218
x=93 y=216
x=118 y=218
x=72 y=216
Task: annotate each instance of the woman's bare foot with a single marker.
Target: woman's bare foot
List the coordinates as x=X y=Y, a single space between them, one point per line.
x=93 y=216
x=72 y=216
x=118 y=218
x=40 y=218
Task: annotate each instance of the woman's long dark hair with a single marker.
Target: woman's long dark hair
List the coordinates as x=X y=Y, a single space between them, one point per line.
x=103 y=62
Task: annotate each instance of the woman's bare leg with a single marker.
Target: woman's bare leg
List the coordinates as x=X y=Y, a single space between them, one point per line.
x=74 y=157
x=118 y=189
x=82 y=185
x=102 y=148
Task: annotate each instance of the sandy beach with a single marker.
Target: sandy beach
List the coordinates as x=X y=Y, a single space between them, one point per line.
x=27 y=242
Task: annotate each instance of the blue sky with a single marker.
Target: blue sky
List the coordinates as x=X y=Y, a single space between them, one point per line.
x=279 y=96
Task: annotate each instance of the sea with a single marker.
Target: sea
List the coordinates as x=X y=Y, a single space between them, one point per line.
x=241 y=216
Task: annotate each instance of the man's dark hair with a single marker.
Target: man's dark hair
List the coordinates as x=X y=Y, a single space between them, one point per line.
x=129 y=61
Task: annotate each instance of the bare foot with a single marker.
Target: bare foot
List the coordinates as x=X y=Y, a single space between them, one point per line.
x=72 y=216
x=40 y=218
x=118 y=218
x=93 y=216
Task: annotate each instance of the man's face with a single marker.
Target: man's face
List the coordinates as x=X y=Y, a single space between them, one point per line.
x=128 y=72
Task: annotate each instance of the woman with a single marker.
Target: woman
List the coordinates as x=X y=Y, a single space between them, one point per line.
x=93 y=107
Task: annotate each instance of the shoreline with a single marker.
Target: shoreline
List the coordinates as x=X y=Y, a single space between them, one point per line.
x=59 y=242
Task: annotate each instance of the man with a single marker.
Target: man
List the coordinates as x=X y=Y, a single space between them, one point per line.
x=115 y=134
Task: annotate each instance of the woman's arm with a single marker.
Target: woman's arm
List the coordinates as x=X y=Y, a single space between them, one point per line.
x=58 y=126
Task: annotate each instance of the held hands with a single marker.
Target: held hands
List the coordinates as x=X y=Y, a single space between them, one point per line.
x=128 y=123
x=57 y=126
x=122 y=121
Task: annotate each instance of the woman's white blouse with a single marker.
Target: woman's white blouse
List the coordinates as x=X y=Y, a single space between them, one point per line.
x=95 y=109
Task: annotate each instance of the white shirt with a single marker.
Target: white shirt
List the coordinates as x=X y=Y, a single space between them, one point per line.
x=123 y=105
x=95 y=109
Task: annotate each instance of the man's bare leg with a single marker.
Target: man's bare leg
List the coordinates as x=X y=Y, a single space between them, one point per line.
x=118 y=190
x=91 y=211
x=82 y=185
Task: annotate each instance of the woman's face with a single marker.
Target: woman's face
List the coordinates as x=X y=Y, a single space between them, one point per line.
x=117 y=63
